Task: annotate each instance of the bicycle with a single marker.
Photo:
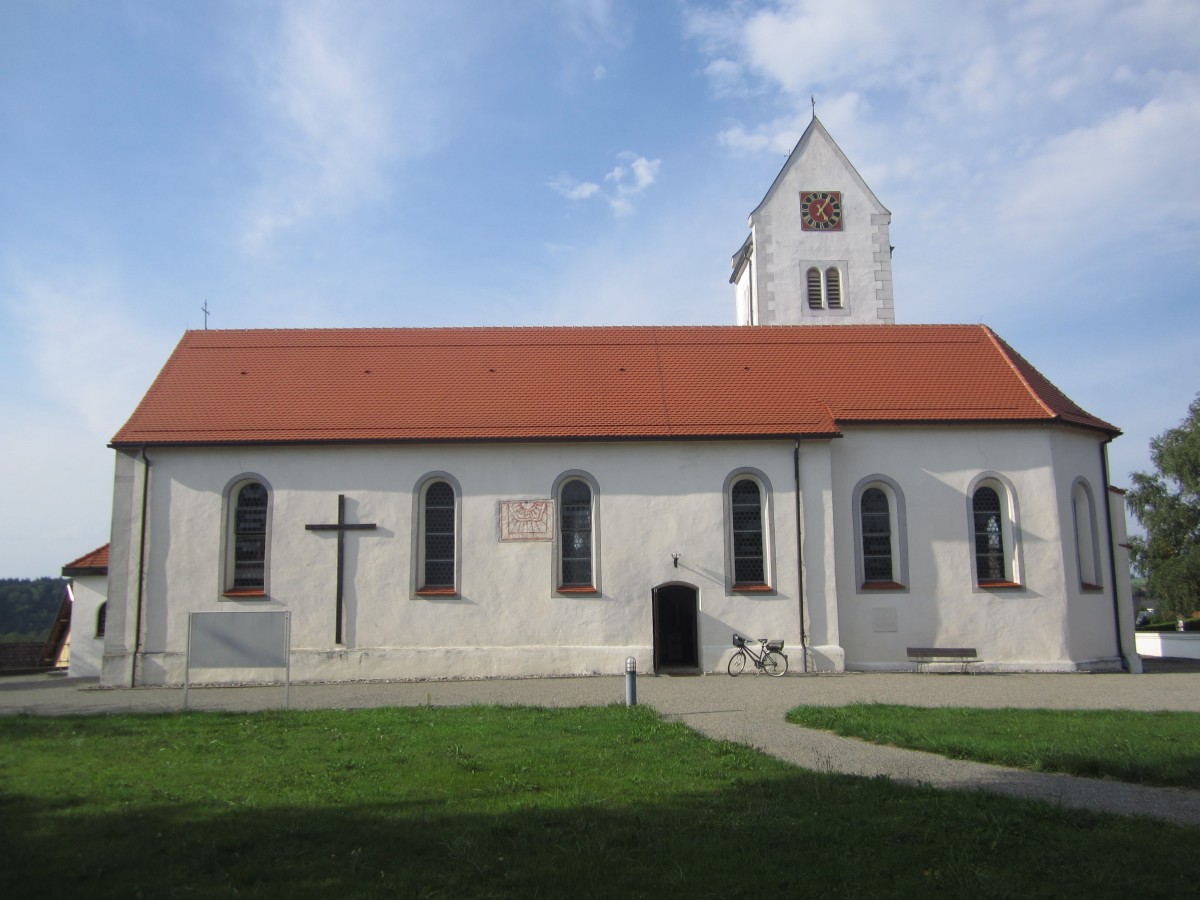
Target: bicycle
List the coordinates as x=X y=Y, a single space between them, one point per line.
x=769 y=656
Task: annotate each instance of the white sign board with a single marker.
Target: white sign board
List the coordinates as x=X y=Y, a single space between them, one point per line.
x=238 y=640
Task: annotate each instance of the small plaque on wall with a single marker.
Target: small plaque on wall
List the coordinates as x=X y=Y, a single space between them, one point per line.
x=884 y=621
x=526 y=520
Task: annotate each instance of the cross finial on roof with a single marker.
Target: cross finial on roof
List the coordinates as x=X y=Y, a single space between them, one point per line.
x=813 y=98
x=204 y=309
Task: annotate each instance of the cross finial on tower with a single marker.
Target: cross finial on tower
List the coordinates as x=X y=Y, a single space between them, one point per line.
x=813 y=98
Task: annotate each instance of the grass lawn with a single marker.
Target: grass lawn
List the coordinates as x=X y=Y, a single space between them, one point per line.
x=1158 y=748
x=501 y=801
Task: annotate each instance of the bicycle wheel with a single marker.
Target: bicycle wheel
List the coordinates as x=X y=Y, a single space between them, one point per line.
x=775 y=664
x=737 y=662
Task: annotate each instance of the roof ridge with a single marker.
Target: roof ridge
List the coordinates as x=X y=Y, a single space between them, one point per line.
x=1004 y=350
x=360 y=329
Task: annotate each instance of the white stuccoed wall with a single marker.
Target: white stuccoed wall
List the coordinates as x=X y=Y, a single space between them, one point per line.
x=121 y=629
x=1047 y=624
x=654 y=500
x=88 y=593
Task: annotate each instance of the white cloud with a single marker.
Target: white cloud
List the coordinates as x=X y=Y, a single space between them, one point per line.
x=643 y=172
x=89 y=358
x=1131 y=173
x=571 y=189
x=591 y=21
x=726 y=77
x=803 y=44
x=777 y=136
x=842 y=113
x=965 y=66
x=599 y=73
x=628 y=180
x=329 y=131
x=345 y=92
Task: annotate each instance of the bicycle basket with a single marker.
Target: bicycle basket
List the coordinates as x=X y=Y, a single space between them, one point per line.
x=776 y=646
x=738 y=640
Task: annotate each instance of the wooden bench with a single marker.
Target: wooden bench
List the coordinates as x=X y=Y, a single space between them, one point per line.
x=923 y=656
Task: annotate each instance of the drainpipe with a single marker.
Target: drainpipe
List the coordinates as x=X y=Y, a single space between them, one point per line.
x=753 y=293
x=141 y=570
x=1112 y=554
x=800 y=563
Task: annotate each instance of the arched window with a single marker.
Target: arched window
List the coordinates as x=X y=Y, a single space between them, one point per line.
x=575 y=535
x=876 y=536
x=246 y=563
x=993 y=509
x=882 y=562
x=746 y=516
x=1087 y=543
x=101 y=616
x=438 y=537
x=989 y=536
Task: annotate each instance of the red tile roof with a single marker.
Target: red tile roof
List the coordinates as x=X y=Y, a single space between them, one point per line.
x=94 y=563
x=447 y=384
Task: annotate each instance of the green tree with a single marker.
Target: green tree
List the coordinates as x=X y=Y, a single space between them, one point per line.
x=1167 y=503
x=28 y=607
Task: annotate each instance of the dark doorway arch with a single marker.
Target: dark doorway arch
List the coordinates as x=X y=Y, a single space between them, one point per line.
x=676 y=628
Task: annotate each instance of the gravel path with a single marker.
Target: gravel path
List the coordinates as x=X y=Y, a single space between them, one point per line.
x=748 y=710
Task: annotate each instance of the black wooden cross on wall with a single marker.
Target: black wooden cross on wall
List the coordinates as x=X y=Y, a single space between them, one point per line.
x=341 y=527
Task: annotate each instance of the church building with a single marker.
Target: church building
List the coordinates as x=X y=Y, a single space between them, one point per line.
x=468 y=502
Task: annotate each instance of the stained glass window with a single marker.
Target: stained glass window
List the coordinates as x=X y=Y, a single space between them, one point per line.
x=439 y=535
x=250 y=538
x=876 y=519
x=575 y=534
x=746 y=508
x=989 y=536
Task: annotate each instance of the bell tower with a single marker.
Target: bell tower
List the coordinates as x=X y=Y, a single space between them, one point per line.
x=819 y=251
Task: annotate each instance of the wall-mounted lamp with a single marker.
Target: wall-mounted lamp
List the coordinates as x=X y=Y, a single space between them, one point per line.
x=675 y=559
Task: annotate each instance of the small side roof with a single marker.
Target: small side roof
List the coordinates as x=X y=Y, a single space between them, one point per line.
x=94 y=563
x=739 y=258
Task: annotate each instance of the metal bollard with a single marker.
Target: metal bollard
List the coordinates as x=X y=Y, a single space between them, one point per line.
x=630 y=681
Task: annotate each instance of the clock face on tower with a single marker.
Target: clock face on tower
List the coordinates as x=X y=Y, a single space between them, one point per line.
x=821 y=211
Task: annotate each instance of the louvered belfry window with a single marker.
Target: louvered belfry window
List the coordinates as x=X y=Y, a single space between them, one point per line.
x=814 y=288
x=746 y=508
x=575 y=532
x=876 y=519
x=824 y=288
x=833 y=288
x=250 y=538
x=439 y=536
x=989 y=536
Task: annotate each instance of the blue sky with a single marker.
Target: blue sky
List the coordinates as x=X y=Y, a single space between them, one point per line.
x=567 y=162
